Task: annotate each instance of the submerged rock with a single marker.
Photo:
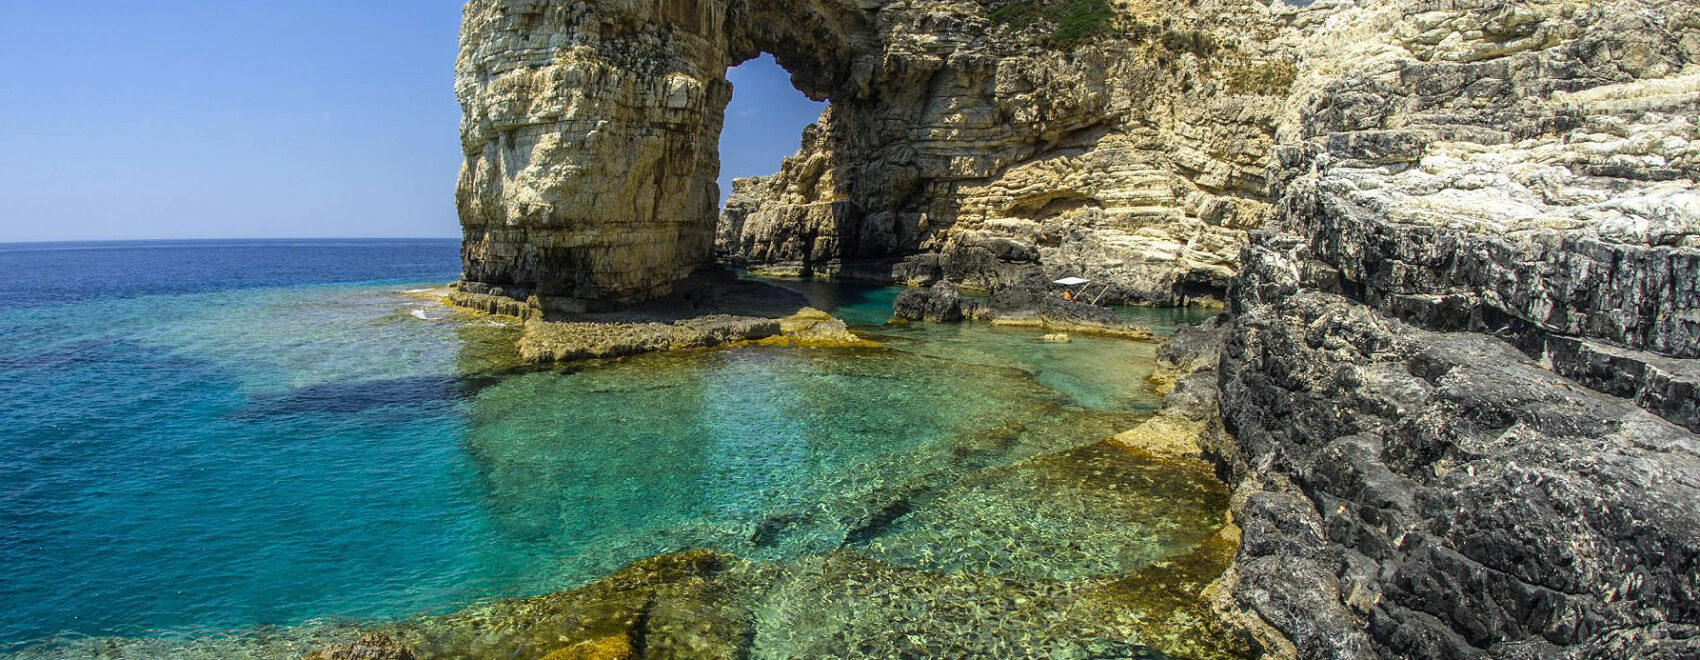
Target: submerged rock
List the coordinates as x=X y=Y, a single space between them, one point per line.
x=558 y=342
x=612 y=647
x=371 y=646
x=1029 y=560
x=813 y=327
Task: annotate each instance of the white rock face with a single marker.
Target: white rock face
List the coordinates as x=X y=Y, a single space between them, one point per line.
x=591 y=136
x=587 y=178
x=984 y=155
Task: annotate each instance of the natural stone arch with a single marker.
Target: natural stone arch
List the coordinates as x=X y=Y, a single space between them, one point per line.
x=591 y=137
x=591 y=133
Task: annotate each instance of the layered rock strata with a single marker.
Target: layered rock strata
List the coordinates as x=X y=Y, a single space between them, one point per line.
x=707 y=311
x=1458 y=370
x=956 y=145
x=1409 y=492
x=555 y=341
x=980 y=154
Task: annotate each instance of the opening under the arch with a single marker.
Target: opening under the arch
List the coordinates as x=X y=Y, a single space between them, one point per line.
x=764 y=122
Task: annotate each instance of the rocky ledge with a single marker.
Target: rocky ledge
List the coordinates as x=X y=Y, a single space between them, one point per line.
x=1458 y=369
x=1015 y=306
x=1441 y=494
x=708 y=310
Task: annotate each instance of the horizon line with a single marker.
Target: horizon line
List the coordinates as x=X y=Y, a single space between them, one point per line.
x=205 y=240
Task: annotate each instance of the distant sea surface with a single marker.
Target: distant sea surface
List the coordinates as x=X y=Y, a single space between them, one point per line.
x=34 y=274
x=215 y=436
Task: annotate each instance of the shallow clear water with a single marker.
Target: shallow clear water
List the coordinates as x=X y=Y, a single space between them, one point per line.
x=189 y=456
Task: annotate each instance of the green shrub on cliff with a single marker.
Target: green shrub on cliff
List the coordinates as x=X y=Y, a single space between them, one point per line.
x=1273 y=77
x=1071 y=21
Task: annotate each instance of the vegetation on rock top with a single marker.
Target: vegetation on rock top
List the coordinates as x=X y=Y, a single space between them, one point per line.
x=1073 y=20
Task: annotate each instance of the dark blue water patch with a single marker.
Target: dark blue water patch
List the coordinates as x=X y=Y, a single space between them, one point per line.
x=36 y=274
x=63 y=355
x=363 y=396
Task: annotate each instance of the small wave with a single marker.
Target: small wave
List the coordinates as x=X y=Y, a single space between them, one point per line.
x=417 y=290
x=420 y=314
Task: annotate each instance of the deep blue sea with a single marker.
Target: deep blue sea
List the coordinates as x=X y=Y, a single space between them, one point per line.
x=213 y=436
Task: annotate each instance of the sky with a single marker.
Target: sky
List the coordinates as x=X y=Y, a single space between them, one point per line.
x=128 y=120
x=764 y=122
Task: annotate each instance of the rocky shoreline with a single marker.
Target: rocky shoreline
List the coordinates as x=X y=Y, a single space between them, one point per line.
x=1455 y=390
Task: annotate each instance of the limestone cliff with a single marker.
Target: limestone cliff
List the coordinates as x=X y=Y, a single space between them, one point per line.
x=591 y=134
x=983 y=152
x=1460 y=364
x=956 y=145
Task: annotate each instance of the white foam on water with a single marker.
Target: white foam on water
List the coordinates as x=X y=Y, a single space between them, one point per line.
x=420 y=314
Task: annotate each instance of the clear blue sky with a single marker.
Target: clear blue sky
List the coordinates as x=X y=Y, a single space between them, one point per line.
x=764 y=123
x=249 y=118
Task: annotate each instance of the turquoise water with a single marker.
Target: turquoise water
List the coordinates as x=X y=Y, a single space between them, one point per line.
x=185 y=458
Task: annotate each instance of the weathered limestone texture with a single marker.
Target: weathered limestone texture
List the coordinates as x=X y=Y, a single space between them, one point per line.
x=955 y=146
x=975 y=152
x=1459 y=368
x=1014 y=306
x=591 y=137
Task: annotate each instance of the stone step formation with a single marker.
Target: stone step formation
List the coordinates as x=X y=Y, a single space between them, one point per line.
x=1458 y=243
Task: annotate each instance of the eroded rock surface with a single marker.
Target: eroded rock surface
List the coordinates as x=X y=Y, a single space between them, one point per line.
x=702 y=312
x=956 y=145
x=591 y=131
x=979 y=152
x=1457 y=367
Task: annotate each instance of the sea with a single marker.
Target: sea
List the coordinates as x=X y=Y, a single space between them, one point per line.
x=210 y=438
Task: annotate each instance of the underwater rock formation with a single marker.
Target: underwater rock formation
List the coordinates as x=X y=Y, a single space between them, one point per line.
x=975 y=567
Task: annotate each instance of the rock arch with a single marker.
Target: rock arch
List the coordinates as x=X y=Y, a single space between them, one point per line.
x=591 y=133
x=591 y=137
